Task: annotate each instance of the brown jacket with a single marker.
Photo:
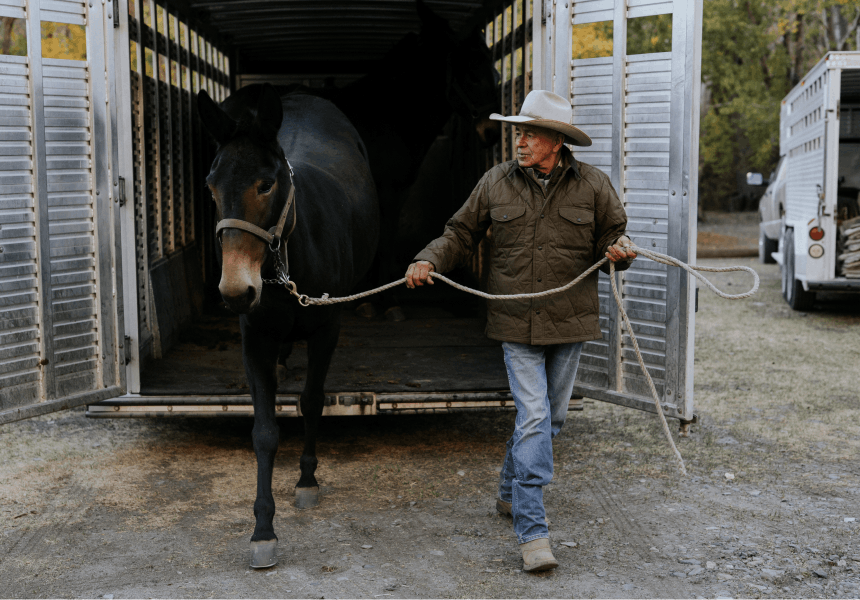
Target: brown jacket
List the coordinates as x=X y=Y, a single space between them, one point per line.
x=541 y=239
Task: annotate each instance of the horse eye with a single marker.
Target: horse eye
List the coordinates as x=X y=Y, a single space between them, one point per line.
x=265 y=188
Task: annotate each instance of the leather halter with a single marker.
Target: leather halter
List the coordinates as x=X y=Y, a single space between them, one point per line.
x=272 y=237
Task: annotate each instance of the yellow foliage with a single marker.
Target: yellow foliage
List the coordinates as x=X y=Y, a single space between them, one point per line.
x=592 y=40
x=61 y=40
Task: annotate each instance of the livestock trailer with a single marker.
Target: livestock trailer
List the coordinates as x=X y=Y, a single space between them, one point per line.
x=817 y=184
x=108 y=280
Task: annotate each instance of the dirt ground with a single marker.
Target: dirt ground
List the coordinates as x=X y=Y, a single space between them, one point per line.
x=771 y=508
x=728 y=234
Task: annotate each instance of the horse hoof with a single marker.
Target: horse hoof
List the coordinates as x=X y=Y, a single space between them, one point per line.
x=396 y=314
x=264 y=554
x=365 y=310
x=307 y=497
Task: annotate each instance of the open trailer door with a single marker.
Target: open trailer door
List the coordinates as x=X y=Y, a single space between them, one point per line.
x=632 y=71
x=62 y=340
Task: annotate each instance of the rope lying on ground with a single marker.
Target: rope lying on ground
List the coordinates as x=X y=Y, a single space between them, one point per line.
x=655 y=256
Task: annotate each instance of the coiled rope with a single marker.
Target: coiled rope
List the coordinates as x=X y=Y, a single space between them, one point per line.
x=655 y=256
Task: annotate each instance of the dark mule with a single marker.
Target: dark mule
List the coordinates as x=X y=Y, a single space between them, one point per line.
x=402 y=106
x=336 y=220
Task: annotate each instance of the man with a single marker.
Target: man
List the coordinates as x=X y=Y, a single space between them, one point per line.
x=552 y=217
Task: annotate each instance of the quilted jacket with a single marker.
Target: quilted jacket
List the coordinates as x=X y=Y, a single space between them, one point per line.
x=541 y=239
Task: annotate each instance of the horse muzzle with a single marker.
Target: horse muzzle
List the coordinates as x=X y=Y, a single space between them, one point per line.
x=241 y=285
x=489 y=131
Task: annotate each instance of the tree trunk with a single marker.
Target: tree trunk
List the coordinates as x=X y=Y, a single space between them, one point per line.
x=798 y=51
x=836 y=26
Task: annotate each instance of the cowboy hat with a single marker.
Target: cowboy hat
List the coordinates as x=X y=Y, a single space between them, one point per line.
x=550 y=111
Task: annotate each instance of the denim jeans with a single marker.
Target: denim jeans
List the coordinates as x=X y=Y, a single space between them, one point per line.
x=541 y=380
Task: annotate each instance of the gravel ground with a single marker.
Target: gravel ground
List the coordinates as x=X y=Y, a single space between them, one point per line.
x=163 y=508
x=723 y=234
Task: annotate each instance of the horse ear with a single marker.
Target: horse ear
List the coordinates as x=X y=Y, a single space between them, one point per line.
x=429 y=19
x=216 y=121
x=270 y=111
x=473 y=28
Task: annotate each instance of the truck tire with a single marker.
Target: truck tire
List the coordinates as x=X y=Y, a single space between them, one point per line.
x=766 y=247
x=792 y=289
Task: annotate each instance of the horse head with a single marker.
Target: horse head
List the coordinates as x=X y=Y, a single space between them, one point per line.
x=250 y=183
x=472 y=82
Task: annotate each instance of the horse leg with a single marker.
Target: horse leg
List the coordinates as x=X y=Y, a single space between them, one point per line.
x=321 y=345
x=284 y=352
x=260 y=353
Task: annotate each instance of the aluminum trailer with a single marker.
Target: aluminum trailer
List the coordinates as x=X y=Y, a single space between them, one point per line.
x=106 y=238
x=819 y=146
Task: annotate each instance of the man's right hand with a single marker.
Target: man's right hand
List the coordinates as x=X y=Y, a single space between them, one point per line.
x=418 y=273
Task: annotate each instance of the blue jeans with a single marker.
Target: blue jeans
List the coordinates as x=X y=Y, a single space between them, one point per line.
x=541 y=380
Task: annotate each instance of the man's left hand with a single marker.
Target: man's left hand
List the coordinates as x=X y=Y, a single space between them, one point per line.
x=618 y=252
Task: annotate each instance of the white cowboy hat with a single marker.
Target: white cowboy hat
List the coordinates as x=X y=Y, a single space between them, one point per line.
x=550 y=111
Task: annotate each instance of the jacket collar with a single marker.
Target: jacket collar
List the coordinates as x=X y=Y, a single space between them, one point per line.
x=565 y=163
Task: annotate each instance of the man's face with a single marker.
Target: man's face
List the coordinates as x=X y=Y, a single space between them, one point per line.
x=537 y=148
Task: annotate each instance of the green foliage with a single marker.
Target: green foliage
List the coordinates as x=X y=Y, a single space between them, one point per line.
x=753 y=53
x=13 y=36
x=646 y=35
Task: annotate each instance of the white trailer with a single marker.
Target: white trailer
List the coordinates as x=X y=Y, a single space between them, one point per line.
x=818 y=179
x=106 y=235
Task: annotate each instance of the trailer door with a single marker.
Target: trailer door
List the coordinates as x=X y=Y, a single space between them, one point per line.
x=631 y=69
x=62 y=341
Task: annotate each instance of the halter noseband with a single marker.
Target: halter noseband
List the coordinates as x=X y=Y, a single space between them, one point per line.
x=272 y=237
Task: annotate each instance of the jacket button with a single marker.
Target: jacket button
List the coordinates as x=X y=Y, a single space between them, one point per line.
x=541 y=216
x=540 y=247
x=539 y=279
x=537 y=312
x=504 y=216
x=579 y=220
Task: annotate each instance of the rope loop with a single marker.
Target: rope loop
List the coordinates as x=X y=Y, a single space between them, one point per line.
x=694 y=270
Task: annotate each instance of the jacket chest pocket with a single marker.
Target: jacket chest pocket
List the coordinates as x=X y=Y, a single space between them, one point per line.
x=576 y=228
x=509 y=224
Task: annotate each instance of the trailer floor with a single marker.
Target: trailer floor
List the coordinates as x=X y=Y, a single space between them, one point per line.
x=439 y=348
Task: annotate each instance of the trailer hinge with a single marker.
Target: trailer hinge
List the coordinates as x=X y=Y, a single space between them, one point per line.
x=116 y=14
x=127 y=349
x=122 y=191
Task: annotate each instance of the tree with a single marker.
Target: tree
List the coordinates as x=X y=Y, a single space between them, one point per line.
x=753 y=53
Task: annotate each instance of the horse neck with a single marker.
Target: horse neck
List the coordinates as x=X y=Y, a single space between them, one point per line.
x=413 y=82
x=424 y=107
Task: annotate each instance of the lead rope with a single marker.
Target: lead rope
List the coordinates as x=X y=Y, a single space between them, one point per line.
x=655 y=256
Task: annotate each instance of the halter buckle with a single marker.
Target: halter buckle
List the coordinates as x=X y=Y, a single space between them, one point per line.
x=275 y=245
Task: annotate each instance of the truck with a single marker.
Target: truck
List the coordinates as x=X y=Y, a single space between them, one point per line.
x=810 y=209
x=108 y=278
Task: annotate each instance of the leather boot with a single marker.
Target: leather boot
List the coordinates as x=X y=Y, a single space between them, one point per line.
x=503 y=507
x=537 y=555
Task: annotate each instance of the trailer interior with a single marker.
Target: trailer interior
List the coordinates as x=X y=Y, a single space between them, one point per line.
x=190 y=345
x=849 y=143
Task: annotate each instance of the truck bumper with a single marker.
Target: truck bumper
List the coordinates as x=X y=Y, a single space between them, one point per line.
x=840 y=284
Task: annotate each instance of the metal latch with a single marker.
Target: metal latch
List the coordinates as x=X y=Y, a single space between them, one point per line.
x=115 y=14
x=122 y=191
x=127 y=349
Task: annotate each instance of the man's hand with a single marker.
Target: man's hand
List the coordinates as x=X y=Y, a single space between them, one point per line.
x=617 y=252
x=418 y=273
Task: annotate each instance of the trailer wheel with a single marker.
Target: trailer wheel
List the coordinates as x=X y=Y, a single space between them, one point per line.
x=792 y=289
x=766 y=247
